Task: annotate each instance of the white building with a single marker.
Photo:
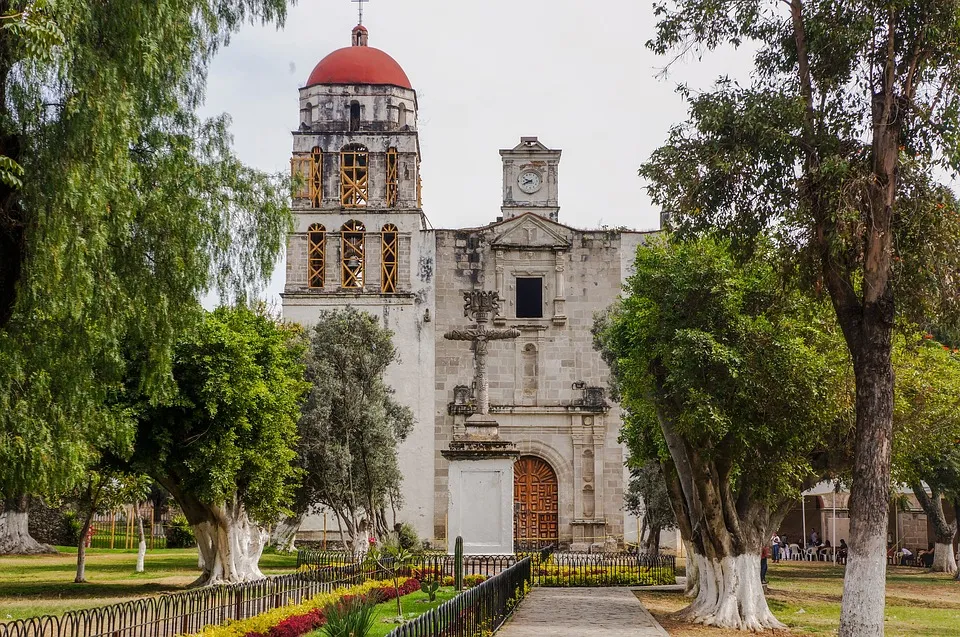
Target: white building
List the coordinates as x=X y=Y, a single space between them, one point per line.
x=361 y=239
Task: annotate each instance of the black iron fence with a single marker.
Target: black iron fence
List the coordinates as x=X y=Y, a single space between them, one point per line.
x=188 y=612
x=480 y=610
x=549 y=568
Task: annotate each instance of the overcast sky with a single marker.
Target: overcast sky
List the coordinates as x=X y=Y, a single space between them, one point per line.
x=573 y=73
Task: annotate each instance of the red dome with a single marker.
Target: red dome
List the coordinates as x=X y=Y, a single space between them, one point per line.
x=359 y=65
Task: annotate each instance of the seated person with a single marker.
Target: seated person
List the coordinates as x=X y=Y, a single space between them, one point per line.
x=925 y=557
x=842 y=552
x=824 y=550
x=906 y=557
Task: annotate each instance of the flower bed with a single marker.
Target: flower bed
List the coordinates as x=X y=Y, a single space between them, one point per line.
x=299 y=619
x=600 y=575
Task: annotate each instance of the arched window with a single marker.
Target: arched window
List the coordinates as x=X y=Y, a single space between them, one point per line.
x=316 y=255
x=354 y=116
x=351 y=254
x=389 y=244
x=307 y=114
x=393 y=179
x=353 y=176
x=402 y=115
x=316 y=177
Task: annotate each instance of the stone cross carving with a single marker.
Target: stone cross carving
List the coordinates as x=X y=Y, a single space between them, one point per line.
x=481 y=307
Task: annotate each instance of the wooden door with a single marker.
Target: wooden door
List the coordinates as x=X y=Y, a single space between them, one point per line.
x=535 y=503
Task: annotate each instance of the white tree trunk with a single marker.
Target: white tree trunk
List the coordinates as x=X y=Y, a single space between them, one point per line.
x=142 y=547
x=944 y=561
x=730 y=595
x=15 y=537
x=230 y=545
x=285 y=534
x=866 y=565
x=692 y=587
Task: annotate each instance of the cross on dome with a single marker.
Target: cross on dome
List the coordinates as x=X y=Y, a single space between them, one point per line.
x=360 y=7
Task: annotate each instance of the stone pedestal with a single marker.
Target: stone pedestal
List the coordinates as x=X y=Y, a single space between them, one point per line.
x=480 y=498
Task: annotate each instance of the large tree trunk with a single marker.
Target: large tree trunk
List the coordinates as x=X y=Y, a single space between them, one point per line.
x=142 y=545
x=15 y=536
x=864 y=583
x=284 y=535
x=944 y=560
x=730 y=594
x=229 y=543
x=692 y=587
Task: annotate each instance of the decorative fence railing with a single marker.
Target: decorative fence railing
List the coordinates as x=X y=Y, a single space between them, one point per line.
x=480 y=610
x=188 y=612
x=548 y=568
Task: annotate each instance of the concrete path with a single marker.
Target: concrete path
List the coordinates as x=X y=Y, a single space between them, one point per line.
x=581 y=612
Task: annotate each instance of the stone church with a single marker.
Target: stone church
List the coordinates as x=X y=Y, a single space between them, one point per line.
x=362 y=239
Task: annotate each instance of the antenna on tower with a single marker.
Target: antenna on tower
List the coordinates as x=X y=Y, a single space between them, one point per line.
x=360 y=7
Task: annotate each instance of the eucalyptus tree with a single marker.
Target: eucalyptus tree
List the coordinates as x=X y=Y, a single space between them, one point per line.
x=833 y=145
x=351 y=425
x=224 y=443
x=736 y=386
x=119 y=208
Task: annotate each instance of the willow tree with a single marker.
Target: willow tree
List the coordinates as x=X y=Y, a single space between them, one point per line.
x=119 y=208
x=832 y=144
x=736 y=388
x=224 y=444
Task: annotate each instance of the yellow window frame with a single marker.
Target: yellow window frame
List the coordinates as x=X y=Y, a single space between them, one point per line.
x=316 y=255
x=351 y=255
x=389 y=258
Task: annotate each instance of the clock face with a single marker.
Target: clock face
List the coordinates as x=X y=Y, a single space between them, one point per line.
x=530 y=181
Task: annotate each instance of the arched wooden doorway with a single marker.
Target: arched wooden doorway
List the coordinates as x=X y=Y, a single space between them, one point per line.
x=535 y=503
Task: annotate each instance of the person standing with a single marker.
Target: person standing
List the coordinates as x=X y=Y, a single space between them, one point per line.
x=764 y=554
x=775 y=543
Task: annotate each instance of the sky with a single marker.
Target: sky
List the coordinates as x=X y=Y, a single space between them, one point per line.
x=575 y=74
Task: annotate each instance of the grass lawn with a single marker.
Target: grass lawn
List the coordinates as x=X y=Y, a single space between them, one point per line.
x=414 y=605
x=806 y=597
x=43 y=584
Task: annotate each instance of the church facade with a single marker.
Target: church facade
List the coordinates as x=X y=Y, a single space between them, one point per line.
x=361 y=239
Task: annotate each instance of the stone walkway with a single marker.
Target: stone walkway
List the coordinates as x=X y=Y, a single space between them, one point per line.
x=581 y=612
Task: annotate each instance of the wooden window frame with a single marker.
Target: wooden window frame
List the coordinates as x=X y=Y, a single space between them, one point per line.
x=354 y=172
x=393 y=177
x=315 y=183
x=352 y=247
x=300 y=173
x=316 y=255
x=389 y=258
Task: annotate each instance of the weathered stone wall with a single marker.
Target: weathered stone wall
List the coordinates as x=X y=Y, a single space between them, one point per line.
x=538 y=382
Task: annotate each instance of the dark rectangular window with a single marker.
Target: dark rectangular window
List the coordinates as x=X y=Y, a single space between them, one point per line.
x=529 y=297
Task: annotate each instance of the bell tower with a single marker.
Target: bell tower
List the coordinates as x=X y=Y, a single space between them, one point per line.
x=530 y=180
x=360 y=238
x=356 y=166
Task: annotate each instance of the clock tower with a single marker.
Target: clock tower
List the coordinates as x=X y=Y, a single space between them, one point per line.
x=530 y=180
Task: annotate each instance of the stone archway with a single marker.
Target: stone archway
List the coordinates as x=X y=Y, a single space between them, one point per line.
x=535 y=502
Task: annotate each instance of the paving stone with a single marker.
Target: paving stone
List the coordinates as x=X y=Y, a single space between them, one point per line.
x=581 y=612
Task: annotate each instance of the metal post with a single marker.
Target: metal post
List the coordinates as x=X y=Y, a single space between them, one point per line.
x=803 y=531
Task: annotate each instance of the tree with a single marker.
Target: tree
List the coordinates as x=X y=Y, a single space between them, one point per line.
x=647 y=496
x=832 y=146
x=106 y=490
x=351 y=425
x=224 y=444
x=735 y=386
x=119 y=209
x=926 y=434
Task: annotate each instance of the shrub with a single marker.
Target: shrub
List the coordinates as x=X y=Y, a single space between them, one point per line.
x=469 y=581
x=72 y=528
x=351 y=616
x=407 y=537
x=179 y=534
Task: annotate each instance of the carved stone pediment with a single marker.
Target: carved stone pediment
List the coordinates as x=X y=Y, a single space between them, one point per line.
x=530 y=231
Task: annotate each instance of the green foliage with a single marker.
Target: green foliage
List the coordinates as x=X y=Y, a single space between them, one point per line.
x=349 y=618
x=749 y=374
x=179 y=533
x=119 y=209
x=647 y=497
x=407 y=537
x=351 y=425
x=430 y=587
x=72 y=528
x=229 y=432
